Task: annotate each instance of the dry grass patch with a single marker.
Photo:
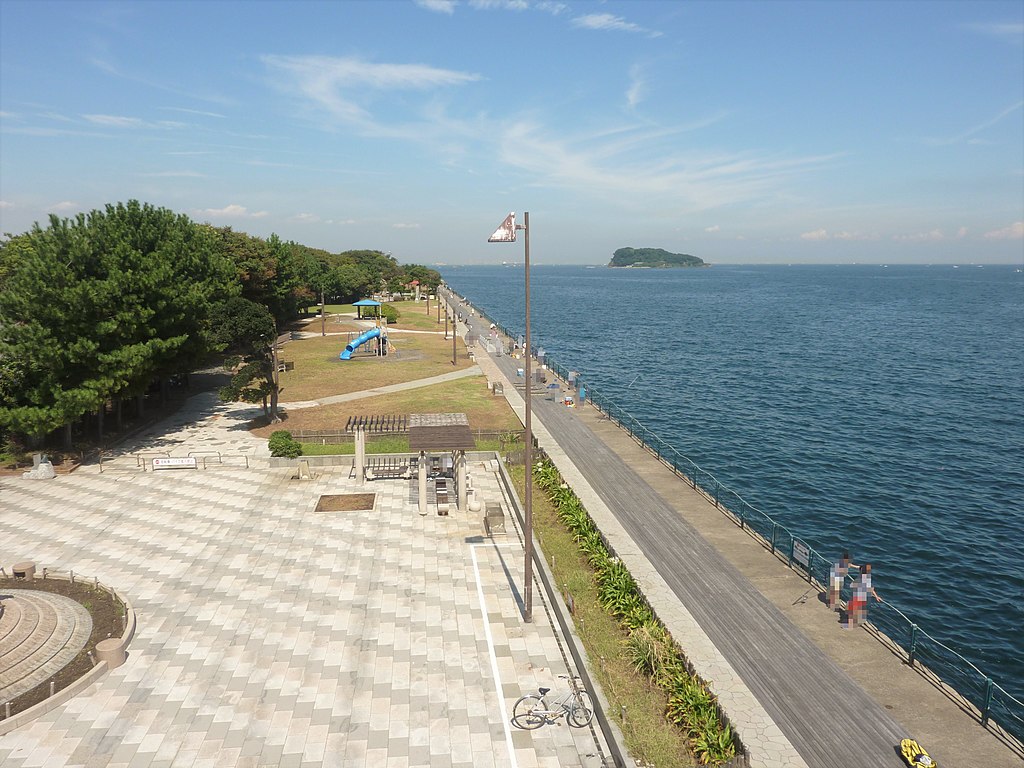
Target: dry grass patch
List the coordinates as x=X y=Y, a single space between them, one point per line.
x=319 y=373
x=469 y=396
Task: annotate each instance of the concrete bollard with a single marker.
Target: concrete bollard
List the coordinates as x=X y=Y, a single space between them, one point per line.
x=24 y=570
x=111 y=651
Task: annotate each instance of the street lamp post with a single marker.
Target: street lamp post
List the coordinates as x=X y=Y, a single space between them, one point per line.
x=506 y=233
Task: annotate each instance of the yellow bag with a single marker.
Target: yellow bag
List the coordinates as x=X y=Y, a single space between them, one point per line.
x=915 y=755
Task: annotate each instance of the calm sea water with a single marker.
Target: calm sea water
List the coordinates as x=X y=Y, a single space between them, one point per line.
x=879 y=409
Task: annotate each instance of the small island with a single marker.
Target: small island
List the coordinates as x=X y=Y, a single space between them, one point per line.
x=653 y=257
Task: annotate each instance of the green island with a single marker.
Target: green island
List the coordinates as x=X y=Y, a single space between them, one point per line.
x=653 y=257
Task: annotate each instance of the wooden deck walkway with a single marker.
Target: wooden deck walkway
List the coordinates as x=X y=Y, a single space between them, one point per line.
x=829 y=719
x=827 y=716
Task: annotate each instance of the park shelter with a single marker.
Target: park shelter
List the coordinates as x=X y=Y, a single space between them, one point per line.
x=366 y=303
x=429 y=433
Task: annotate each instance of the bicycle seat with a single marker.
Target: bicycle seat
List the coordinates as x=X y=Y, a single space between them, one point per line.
x=544 y=691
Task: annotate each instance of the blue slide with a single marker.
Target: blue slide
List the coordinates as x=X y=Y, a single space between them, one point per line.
x=361 y=339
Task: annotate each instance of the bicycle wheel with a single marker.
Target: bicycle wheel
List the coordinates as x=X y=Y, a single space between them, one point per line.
x=582 y=711
x=527 y=712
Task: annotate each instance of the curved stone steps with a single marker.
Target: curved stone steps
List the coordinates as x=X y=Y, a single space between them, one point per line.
x=40 y=634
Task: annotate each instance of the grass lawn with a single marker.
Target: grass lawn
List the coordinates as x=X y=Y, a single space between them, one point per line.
x=469 y=396
x=649 y=736
x=318 y=371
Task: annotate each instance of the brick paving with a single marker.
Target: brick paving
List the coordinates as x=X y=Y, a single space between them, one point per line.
x=270 y=634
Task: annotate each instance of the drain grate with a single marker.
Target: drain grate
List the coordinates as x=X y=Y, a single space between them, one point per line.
x=346 y=502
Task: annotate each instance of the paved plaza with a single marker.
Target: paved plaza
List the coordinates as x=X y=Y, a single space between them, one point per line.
x=271 y=634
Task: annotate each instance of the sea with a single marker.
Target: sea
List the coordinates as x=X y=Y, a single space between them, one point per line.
x=875 y=409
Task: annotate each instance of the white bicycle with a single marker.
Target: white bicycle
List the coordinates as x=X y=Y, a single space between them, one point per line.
x=532 y=711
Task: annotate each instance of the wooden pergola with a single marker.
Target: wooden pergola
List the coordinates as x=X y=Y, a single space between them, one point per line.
x=428 y=433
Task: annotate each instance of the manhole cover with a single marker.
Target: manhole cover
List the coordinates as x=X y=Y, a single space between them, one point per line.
x=346 y=502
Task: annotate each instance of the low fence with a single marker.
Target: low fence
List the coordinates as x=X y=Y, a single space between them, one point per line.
x=341 y=437
x=992 y=704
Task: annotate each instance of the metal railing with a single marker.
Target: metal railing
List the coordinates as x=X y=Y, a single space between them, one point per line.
x=947 y=669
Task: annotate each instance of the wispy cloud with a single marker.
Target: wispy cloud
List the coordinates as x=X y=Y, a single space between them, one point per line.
x=63 y=207
x=174 y=175
x=1013 y=232
x=5 y=204
x=121 y=121
x=608 y=22
x=199 y=112
x=332 y=83
x=1010 y=31
x=635 y=166
x=637 y=86
x=437 y=6
x=305 y=218
x=966 y=135
x=824 y=234
x=932 y=236
x=712 y=229
x=403 y=225
x=232 y=211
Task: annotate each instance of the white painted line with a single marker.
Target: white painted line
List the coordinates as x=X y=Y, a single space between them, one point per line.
x=494 y=659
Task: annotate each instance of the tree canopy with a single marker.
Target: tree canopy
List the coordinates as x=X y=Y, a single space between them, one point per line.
x=97 y=307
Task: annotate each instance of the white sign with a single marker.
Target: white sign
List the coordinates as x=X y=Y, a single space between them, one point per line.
x=184 y=462
x=802 y=554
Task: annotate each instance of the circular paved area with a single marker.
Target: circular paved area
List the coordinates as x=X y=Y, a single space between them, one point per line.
x=40 y=633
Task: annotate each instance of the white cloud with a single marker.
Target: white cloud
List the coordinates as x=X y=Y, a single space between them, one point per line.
x=115 y=121
x=330 y=81
x=403 y=225
x=637 y=86
x=437 y=6
x=713 y=228
x=1013 y=232
x=306 y=218
x=174 y=175
x=606 y=21
x=66 y=205
x=966 y=135
x=961 y=233
x=933 y=236
x=231 y=211
x=1012 y=31
x=502 y=5
x=817 y=234
x=194 y=112
x=5 y=204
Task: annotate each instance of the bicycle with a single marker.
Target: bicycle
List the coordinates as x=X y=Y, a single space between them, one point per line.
x=532 y=711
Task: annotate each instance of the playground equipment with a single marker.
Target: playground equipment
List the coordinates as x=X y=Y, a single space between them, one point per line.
x=383 y=346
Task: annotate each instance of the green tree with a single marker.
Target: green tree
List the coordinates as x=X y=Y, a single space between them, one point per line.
x=248 y=331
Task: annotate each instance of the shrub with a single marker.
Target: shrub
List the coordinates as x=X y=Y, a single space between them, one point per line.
x=282 y=444
x=389 y=313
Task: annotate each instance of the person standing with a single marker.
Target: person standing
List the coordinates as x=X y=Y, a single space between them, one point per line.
x=836 y=577
x=862 y=589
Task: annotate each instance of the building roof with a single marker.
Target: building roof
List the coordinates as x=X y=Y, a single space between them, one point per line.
x=440 y=432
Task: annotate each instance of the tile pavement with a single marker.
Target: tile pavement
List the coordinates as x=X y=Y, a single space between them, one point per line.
x=270 y=634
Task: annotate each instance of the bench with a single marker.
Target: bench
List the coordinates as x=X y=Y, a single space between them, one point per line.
x=387 y=469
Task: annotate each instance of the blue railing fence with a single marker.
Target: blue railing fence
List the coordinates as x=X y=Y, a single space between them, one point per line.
x=948 y=669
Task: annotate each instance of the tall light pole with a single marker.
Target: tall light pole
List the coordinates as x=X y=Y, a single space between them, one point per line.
x=506 y=233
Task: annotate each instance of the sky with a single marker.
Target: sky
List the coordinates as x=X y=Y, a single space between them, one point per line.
x=739 y=132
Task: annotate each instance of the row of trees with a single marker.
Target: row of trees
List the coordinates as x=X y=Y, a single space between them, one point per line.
x=95 y=309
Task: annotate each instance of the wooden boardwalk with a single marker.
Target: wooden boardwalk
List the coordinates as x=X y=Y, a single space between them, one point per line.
x=827 y=716
x=829 y=719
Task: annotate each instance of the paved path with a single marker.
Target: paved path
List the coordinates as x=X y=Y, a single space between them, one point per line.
x=747 y=644
x=271 y=634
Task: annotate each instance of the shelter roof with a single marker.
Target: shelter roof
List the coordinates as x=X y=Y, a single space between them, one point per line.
x=366 y=303
x=440 y=432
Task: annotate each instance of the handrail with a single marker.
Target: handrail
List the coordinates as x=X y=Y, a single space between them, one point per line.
x=990 y=700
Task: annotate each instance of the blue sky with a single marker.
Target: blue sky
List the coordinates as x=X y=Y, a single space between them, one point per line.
x=825 y=132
